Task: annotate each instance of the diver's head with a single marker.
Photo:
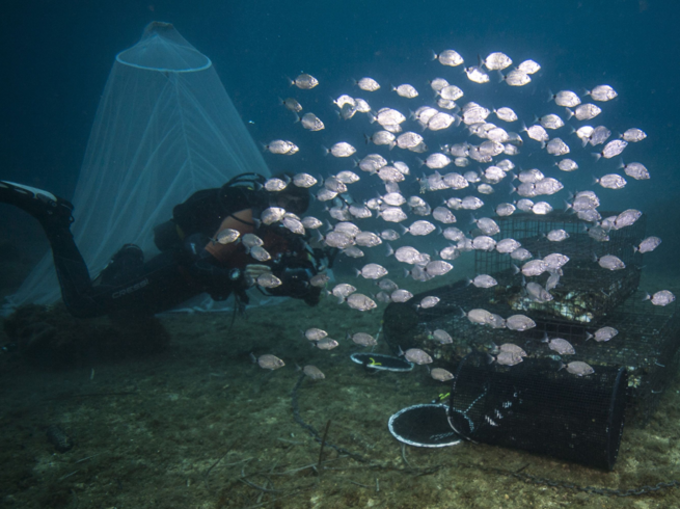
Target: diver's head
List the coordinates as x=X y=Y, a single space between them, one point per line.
x=293 y=198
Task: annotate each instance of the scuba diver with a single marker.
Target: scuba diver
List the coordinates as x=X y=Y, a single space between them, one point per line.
x=191 y=260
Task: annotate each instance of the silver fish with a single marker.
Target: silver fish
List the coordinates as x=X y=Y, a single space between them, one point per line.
x=449 y=253
x=529 y=67
x=227 y=236
x=438 y=268
x=566 y=98
x=612 y=181
x=275 y=184
x=393 y=214
x=319 y=280
x=551 y=121
x=519 y=322
x=401 y=295
x=311 y=122
x=368 y=84
x=389 y=116
x=557 y=147
x=648 y=245
x=449 y=57
x=534 y=268
x=627 y=218
x=361 y=302
x=603 y=334
x=442 y=337
x=586 y=111
x=367 y=239
x=506 y=114
x=342 y=149
x=420 y=228
x=304 y=180
x=613 y=148
x=487 y=226
x=497 y=61
x=634 y=135
x=373 y=271
x=409 y=140
x=406 y=90
x=315 y=334
x=602 y=93
x=599 y=135
x=343 y=290
x=438 y=83
x=389 y=234
x=408 y=254
x=505 y=209
x=483 y=243
x=476 y=74
x=567 y=165
x=293 y=224
x=517 y=78
x=282 y=147
x=507 y=246
x=268 y=280
x=557 y=235
x=638 y=171
x=444 y=215
x=269 y=361
x=327 y=343
x=383 y=138
x=260 y=254
x=537 y=293
x=305 y=82
x=442 y=120
x=441 y=374
x=313 y=372
x=417 y=356
x=363 y=339
x=580 y=368
x=561 y=346
x=292 y=104
x=429 y=302
x=611 y=262
x=520 y=254
x=555 y=261
x=390 y=174
x=437 y=161
x=508 y=358
x=662 y=298
x=483 y=281
x=311 y=222
x=340 y=240
x=372 y=163
x=353 y=252
x=537 y=132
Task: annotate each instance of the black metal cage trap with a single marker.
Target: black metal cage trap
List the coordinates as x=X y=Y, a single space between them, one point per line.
x=587 y=298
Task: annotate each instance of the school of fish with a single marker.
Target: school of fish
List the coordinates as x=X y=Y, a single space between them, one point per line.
x=469 y=160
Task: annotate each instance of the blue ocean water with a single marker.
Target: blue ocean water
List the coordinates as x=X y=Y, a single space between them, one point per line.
x=57 y=57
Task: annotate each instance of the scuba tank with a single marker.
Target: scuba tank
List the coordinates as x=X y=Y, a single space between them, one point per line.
x=204 y=211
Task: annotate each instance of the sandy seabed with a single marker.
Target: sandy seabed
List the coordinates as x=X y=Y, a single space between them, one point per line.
x=198 y=425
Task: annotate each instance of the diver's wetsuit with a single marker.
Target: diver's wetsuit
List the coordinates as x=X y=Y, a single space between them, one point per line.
x=182 y=270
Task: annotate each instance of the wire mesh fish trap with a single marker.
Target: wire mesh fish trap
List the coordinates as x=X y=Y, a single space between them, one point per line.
x=535 y=407
x=646 y=343
x=586 y=291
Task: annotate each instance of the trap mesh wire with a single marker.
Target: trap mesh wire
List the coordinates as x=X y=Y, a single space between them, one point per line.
x=586 y=290
x=536 y=407
x=587 y=298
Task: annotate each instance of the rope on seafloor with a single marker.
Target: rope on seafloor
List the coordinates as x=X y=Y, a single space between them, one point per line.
x=312 y=431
